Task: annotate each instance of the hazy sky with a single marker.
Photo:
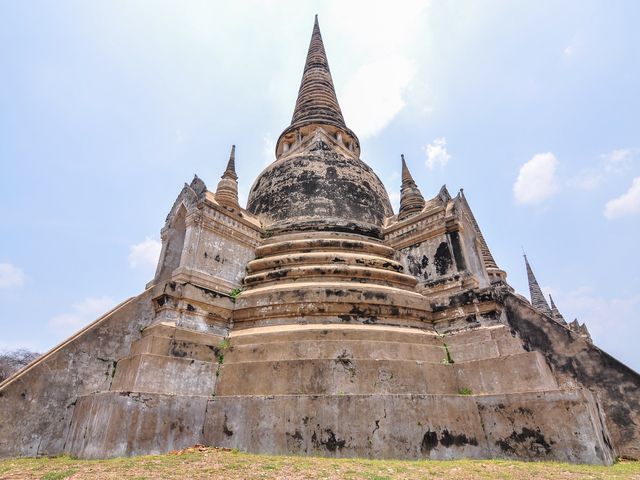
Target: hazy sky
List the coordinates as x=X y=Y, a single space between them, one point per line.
x=107 y=108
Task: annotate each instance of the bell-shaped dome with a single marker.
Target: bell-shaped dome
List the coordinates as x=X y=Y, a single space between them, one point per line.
x=321 y=185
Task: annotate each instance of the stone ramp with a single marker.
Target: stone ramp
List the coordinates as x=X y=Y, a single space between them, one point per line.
x=37 y=403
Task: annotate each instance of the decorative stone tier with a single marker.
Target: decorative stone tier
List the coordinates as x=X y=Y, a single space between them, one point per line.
x=327 y=277
x=341 y=359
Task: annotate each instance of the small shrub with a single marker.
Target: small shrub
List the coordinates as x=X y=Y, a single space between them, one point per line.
x=465 y=391
x=235 y=293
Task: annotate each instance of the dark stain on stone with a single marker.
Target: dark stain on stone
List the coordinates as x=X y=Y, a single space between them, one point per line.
x=531 y=440
x=176 y=351
x=191 y=308
x=429 y=442
x=448 y=439
x=375 y=295
x=442 y=259
x=277 y=274
x=296 y=435
x=457 y=250
x=227 y=431
x=331 y=443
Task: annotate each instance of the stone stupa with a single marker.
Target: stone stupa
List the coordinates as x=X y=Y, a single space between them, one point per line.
x=318 y=322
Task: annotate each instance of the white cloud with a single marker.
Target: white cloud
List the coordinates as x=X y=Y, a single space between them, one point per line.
x=11 y=276
x=588 y=179
x=619 y=160
x=145 y=254
x=575 y=46
x=437 y=154
x=378 y=55
x=626 y=204
x=537 y=180
x=373 y=96
x=81 y=314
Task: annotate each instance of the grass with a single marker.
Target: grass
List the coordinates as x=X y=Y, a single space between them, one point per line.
x=211 y=463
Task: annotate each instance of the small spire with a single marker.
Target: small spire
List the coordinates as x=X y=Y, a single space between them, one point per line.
x=231 y=165
x=555 y=313
x=538 y=299
x=227 y=191
x=411 y=200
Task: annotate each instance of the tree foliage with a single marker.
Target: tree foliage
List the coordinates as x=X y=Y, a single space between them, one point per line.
x=14 y=360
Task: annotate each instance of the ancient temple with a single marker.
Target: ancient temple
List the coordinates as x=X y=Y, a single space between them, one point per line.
x=315 y=321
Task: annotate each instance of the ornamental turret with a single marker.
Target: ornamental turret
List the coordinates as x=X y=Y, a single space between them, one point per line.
x=227 y=191
x=411 y=200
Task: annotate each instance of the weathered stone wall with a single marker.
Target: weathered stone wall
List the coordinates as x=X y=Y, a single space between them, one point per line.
x=224 y=247
x=36 y=405
x=429 y=260
x=577 y=362
x=470 y=246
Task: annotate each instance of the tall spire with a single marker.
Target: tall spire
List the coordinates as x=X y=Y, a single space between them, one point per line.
x=538 y=299
x=411 y=200
x=227 y=191
x=317 y=103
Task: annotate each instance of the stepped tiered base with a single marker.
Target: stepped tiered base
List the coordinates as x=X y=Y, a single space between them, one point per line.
x=332 y=352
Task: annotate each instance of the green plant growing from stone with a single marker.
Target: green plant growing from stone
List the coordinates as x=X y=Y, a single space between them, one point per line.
x=448 y=360
x=465 y=391
x=235 y=293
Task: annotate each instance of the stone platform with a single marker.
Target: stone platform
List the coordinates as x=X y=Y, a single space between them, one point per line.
x=340 y=390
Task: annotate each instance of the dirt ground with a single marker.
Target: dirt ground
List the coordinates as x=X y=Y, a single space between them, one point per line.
x=210 y=463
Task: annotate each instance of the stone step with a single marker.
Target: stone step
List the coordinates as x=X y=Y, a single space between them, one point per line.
x=342 y=243
x=330 y=302
x=529 y=425
x=167 y=375
x=323 y=258
x=317 y=376
x=314 y=235
x=293 y=333
x=333 y=349
x=173 y=347
x=333 y=273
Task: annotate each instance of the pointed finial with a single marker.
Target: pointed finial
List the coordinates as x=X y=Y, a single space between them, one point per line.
x=411 y=200
x=538 y=299
x=231 y=165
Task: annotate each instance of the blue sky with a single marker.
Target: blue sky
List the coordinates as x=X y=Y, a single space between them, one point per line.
x=106 y=108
